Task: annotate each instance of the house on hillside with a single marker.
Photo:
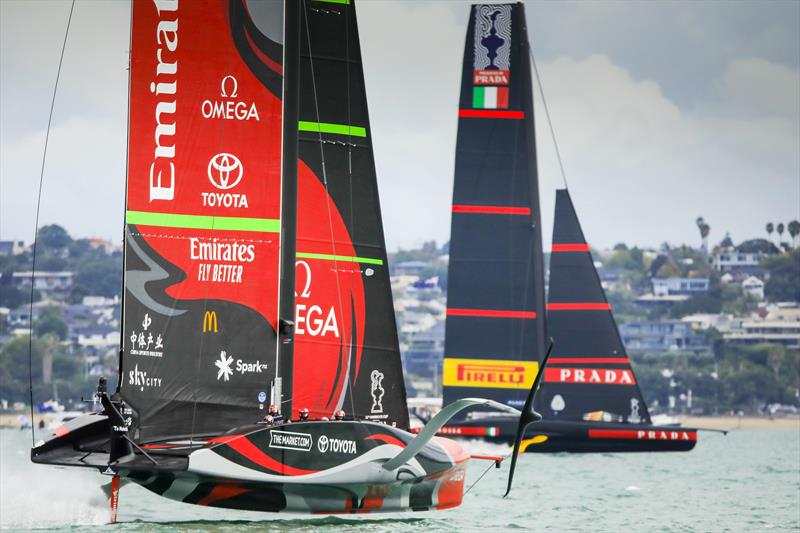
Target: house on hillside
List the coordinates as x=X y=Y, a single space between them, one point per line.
x=673 y=286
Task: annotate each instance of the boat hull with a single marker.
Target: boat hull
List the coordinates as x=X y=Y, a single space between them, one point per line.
x=550 y=436
x=303 y=467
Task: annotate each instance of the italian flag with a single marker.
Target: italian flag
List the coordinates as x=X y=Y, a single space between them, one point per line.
x=490 y=97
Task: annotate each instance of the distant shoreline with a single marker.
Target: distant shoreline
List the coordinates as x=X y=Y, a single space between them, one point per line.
x=758 y=423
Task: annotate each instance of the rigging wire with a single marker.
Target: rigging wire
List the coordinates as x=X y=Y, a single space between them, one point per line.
x=479 y=478
x=38 y=206
x=327 y=191
x=547 y=114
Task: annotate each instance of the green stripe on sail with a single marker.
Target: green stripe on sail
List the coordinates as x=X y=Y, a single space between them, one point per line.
x=339 y=129
x=330 y=257
x=174 y=220
x=335 y=1
x=477 y=97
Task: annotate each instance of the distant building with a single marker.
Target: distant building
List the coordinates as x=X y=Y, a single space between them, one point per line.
x=754 y=287
x=43 y=281
x=12 y=247
x=409 y=268
x=611 y=278
x=673 y=286
x=738 y=264
x=720 y=322
x=424 y=353
x=663 y=336
x=780 y=326
x=668 y=300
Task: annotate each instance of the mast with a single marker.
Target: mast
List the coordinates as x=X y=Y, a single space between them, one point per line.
x=288 y=239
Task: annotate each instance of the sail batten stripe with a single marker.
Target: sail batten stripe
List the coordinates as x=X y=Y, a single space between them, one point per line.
x=490 y=313
x=490 y=113
x=326 y=127
x=590 y=360
x=571 y=247
x=579 y=306
x=346 y=2
x=347 y=258
x=177 y=220
x=492 y=209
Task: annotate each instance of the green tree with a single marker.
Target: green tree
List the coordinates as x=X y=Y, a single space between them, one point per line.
x=51 y=321
x=53 y=236
x=757 y=245
x=783 y=284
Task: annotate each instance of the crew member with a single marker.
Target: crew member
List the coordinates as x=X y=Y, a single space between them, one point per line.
x=339 y=414
x=269 y=420
x=276 y=416
x=304 y=414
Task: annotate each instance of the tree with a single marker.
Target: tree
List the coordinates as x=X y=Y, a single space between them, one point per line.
x=757 y=245
x=794 y=230
x=779 y=229
x=50 y=321
x=776 y=353
x=770 y=229
x=705 y=229
x=783 y=284
x=53 y=236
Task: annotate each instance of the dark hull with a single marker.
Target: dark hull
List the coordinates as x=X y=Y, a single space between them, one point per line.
x=305 y=467
x=550 y=436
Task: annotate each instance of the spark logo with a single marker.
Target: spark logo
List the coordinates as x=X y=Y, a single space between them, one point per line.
x=489 y=373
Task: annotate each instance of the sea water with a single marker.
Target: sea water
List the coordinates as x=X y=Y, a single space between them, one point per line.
x=746 y=481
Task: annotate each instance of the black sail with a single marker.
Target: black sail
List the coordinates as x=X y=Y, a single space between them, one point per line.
x=589 y=375
x=346 y=354
x=495 y=331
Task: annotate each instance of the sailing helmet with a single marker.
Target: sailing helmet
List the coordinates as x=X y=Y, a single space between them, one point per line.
x=325 y=418
x=304 y=413
x=273 y=409
x=339 y=414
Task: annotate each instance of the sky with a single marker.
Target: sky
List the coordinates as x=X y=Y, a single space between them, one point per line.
x=663 y=112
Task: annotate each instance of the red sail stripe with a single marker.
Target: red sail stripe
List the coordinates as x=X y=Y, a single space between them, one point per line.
x=249 y=450
x=490 y=113
x=579 y=306
x=388 y=439
x=574 y=247
x=277 y=67
x=611 y=360
x=676 y=434
x=490 y=313
x=492 y=209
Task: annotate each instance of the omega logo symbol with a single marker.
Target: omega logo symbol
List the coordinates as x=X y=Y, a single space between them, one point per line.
x=225 y=171
x=233 y=85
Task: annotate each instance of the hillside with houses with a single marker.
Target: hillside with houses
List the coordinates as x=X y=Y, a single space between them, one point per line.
x=711 y=329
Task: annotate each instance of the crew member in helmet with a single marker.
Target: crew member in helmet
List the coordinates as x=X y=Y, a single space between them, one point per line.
x=339 y=414
x=304 y=414
x=276 y=416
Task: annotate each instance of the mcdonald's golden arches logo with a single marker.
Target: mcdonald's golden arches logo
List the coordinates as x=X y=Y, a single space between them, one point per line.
x=210 y=322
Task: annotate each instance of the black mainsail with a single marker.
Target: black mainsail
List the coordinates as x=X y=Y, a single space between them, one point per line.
x=589 y=375
x=495 y=331
x=345 y=324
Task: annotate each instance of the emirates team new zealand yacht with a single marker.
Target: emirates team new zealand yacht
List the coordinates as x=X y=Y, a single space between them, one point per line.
x=498 y=324
x=255 y=273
